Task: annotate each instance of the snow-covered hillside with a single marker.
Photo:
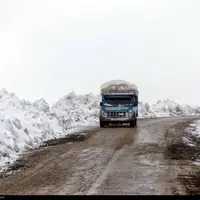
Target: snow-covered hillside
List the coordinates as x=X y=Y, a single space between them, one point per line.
x=25 y=125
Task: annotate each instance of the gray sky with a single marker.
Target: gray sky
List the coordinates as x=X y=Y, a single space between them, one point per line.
x=50 y=47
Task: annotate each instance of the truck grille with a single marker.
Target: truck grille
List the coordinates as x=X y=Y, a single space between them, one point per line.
x=116 y=114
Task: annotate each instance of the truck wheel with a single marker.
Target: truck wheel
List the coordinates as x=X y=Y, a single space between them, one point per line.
x=135 y=122
x=101 y=124
x=132 y=124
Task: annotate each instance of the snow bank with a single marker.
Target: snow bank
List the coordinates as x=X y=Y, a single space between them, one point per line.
x=84 y=109
x=166 y=108
x=75 y=110
x=192 y=139
x=25 y=125
x=194 y=129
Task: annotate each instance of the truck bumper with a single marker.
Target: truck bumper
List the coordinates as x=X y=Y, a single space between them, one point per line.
x=116 y=120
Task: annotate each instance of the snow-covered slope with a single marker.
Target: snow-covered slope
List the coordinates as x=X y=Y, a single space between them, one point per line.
x=25 y=125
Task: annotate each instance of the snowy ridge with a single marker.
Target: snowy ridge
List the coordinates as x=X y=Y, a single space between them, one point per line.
x=25 y=125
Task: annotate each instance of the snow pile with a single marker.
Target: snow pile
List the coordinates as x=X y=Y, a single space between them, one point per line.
x=194 y=129
x=24 y=126
x=192 y=140
x=75 y=110
x=166 y=108
x=41 y=105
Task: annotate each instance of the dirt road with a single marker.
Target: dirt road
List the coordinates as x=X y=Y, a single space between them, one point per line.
x=115 y=160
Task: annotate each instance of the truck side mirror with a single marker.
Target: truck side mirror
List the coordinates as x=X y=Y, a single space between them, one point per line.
x=101 y=104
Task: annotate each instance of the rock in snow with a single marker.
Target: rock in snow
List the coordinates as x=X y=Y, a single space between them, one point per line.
x=25 y=125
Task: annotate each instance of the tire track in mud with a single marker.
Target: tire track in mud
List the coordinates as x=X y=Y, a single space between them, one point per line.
x=103 y=176
x=111 y=148
x=120 y=149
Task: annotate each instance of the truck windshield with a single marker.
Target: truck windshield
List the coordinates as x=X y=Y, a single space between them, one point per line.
x=118 y=101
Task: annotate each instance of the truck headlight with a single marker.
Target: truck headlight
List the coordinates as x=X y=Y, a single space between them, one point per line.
x=103 y=113
x=130 y=112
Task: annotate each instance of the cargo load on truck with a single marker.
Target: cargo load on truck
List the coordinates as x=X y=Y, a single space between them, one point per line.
x=119 y=103
x=119 y=86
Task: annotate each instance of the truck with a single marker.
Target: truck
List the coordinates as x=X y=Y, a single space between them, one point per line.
x=119 y=103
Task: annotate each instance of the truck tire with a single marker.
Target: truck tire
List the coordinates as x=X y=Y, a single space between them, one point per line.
x=132 y=124
x=101 y=124
x=135 y=122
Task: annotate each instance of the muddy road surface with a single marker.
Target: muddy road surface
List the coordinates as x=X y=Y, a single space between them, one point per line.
x=112 y=160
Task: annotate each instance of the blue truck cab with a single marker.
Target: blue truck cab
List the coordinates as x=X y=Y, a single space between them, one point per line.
x=119 y=104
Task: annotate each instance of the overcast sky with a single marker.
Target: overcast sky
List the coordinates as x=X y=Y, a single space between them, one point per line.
x=50 y=47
